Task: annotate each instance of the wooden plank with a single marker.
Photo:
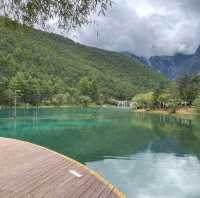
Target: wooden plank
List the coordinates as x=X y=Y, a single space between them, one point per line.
x=31 y=171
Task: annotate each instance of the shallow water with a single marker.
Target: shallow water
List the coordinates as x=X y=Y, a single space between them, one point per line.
x=145 y=156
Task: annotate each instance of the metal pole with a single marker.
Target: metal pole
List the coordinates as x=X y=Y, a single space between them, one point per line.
x=15 y=105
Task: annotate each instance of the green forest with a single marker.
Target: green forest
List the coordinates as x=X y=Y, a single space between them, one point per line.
x=184 y=92
x=40 y=68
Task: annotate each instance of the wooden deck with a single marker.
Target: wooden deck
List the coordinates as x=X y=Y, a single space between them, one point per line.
x=31 y=171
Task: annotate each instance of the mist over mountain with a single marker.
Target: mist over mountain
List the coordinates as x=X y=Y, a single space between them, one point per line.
x=172 y=66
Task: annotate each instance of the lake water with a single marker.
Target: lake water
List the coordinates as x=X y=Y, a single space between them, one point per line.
x=145 y=156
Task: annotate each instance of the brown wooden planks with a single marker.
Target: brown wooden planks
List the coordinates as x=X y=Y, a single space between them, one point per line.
x=31 y=171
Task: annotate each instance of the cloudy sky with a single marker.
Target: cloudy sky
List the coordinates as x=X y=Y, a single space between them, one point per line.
x=145 y=27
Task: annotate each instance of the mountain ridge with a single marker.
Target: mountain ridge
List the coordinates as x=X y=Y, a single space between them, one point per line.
x=173 y=66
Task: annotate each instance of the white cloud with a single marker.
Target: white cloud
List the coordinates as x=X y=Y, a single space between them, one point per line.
x=146 y=27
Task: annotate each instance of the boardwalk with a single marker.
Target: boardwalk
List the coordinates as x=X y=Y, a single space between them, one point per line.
x=30 y=171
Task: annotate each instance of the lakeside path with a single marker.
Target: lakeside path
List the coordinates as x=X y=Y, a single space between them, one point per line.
x=31 y=171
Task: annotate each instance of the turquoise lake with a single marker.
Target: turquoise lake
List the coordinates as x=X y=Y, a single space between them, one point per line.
x=144 y=155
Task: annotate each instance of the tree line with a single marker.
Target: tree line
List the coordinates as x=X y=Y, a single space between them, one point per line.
x=42 y=89
x=184 y=92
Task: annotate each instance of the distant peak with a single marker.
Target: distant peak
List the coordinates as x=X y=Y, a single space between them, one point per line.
x=198 y=51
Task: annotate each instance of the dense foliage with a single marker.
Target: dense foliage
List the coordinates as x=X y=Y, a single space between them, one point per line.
x=43 y=68
x=144 y=100
x=197 y=105
x=184 y=92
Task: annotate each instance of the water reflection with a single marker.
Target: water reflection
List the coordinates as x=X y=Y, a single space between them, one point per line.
x=154 y=175
x=145 y=155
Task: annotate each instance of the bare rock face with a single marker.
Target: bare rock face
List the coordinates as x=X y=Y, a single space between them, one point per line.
x=198 y=52
x=177 y=65
x=174 y=66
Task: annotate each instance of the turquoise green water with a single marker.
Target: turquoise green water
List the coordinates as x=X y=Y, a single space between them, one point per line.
x=145 y=156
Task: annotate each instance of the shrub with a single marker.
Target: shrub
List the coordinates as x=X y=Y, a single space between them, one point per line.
x=144 y=100
x=111 y=101
x=85 y=100
x=197 y=105
x=173 y=107
x=61 y=99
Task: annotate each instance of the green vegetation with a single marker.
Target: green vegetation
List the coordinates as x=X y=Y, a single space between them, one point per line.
x=44 y=68
x=175 y=94
x=66 y=13
x=197 y=105
x=144 y=100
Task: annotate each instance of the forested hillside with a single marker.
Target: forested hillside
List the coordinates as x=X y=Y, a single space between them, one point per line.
x=47 y=68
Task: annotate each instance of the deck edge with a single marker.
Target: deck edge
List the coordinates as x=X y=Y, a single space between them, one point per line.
x=92 y=172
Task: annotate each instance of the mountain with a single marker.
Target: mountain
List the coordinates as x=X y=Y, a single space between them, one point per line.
x=49 y=58
x=141 y=59
x=174 y=66
x=177 y=65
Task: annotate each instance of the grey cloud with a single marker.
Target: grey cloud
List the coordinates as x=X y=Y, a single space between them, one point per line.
x=146 y=27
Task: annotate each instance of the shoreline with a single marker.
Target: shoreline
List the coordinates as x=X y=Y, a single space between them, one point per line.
x=182 y=112
x=52 y=106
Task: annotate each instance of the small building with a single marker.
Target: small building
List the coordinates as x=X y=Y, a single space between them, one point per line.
x=124 y=104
